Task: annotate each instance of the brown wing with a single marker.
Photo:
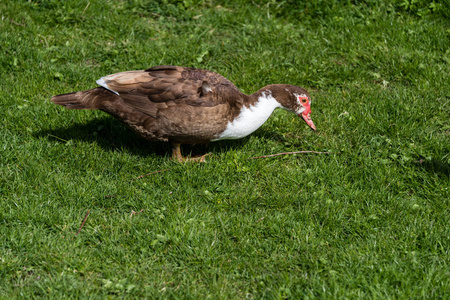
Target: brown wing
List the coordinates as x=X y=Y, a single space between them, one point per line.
x=164 y=86
x=199 y=75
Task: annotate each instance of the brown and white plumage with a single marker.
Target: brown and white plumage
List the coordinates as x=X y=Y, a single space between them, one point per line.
x=186 y=105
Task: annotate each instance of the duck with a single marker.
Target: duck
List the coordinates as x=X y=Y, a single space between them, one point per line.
x=184 y=105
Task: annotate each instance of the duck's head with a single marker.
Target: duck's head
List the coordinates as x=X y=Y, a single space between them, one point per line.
x=297 y=100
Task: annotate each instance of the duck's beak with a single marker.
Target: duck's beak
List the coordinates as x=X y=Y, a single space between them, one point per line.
x=308 y=120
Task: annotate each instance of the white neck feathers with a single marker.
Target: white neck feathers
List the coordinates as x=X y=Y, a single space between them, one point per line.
x=250 y=118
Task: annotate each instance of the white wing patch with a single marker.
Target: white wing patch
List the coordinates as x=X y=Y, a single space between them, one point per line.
x=250 y=118
x=102 y=82
x=206 y=88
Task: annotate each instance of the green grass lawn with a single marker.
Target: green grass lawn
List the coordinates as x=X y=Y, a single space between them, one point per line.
x=369 y=220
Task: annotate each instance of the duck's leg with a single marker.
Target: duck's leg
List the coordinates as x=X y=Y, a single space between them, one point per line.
x=176 y=155
x=176 y=152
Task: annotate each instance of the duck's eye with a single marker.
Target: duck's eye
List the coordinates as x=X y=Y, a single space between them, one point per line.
x=304 y=100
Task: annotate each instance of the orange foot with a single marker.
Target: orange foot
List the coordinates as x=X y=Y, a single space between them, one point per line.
x=176 y=155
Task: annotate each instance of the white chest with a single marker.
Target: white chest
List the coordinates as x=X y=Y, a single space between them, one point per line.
x=250 y=118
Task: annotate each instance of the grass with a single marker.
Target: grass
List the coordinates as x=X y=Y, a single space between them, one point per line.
x=368 y=221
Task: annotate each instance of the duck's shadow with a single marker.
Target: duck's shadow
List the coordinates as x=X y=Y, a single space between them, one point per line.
x=436 y=166
x=109 y=134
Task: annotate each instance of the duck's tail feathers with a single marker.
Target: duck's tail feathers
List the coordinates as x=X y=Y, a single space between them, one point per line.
x=90 y=99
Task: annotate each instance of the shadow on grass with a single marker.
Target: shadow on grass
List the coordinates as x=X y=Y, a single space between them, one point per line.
x=435 y=166
x=111 y=135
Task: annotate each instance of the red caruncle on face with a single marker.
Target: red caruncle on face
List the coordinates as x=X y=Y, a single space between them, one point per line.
x=304 y=101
